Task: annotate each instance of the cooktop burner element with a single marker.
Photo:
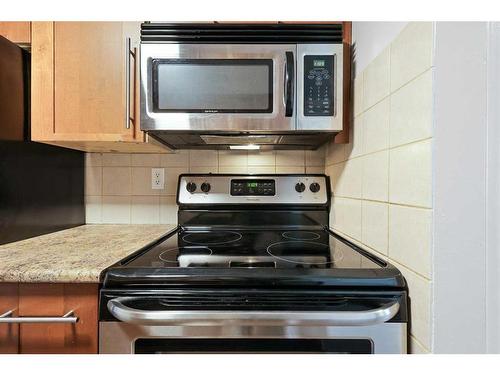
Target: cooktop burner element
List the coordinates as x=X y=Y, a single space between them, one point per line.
x=304 y=252
x=171 y=255
x=212 y=237
x=252 y=249
x=301 y=235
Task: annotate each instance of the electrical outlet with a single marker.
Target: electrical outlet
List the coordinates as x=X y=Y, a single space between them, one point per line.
x=157 y=178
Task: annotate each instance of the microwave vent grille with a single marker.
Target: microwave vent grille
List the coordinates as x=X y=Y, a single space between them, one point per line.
x=240 y=140
x=241 y=33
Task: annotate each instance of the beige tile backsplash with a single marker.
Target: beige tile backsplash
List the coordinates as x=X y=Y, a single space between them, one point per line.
x=408 y=224
x=376 y=176
x=411 y=111
x=410 y=176
x=375 y=127
x=375 y=225
x=411 y=53
x=376 y=79
x=118 y=186
x=382 y=179
x=116 y=181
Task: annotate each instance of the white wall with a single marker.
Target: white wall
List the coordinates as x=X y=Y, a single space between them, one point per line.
x=370 y=38
x=493 y=194
x=460 y=140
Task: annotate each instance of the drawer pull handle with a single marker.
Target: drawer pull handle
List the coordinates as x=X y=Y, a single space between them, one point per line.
x=69 y=317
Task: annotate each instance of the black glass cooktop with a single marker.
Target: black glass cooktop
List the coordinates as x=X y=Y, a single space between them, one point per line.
x=251 y=249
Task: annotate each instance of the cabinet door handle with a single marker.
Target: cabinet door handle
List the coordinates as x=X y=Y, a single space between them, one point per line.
x=128 y=53
x=69 y=317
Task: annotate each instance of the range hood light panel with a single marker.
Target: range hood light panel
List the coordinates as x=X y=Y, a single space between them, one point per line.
x=244 y=147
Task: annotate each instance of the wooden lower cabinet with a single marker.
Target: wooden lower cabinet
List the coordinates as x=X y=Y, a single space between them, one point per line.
x=9 y=333
x=49 y=300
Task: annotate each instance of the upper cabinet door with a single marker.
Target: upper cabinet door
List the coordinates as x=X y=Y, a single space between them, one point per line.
x=16 y=32
x=84 y=86
x=91 y=87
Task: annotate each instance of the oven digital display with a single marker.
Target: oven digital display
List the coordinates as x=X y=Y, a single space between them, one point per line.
x=253 y=187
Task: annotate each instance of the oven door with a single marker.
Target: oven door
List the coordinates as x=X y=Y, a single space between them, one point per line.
x=142 y=326
x=217 y=87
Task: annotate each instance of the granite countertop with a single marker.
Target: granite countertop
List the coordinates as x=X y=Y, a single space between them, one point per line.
x=78 y=254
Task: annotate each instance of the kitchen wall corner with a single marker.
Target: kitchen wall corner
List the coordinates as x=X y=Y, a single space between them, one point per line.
x=382 y=179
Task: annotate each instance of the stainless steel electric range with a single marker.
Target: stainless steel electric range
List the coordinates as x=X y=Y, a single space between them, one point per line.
x=253 y=267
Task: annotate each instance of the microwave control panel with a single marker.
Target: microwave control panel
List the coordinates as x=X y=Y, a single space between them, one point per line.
x=318 y=85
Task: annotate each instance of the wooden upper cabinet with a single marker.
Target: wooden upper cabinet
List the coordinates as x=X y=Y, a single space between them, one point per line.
x=17 y=32
x=79 y=86
x=89 y=80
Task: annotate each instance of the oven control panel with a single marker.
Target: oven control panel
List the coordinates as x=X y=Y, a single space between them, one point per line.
x=318 y=85
x=252 y=189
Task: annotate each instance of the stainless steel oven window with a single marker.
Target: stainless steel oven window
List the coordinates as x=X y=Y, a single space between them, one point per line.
x=213 y=85
x=252 y=345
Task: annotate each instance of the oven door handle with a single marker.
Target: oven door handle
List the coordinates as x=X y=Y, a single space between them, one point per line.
x=131 y=315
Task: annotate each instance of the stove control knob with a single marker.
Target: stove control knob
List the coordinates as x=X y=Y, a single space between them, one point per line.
x=300 y=187
x=191 y=187
x=205 y=187
x=314 y=187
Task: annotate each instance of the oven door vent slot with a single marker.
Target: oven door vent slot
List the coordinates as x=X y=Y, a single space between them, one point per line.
x=253 y=302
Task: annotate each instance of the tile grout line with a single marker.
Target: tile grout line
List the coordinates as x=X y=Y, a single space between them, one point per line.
x=384 y=202
x=381 y=150
x=391 y=92
x=388 y=235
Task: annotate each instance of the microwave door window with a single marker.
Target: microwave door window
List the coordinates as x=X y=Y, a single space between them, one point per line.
x=226 y=85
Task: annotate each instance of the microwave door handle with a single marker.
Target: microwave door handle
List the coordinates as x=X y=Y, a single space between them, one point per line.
x=288 y=93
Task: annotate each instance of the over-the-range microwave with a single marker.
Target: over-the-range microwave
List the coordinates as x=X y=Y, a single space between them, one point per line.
x=245 y=86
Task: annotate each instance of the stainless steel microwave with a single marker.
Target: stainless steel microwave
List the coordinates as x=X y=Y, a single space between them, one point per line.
x=203 y=94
